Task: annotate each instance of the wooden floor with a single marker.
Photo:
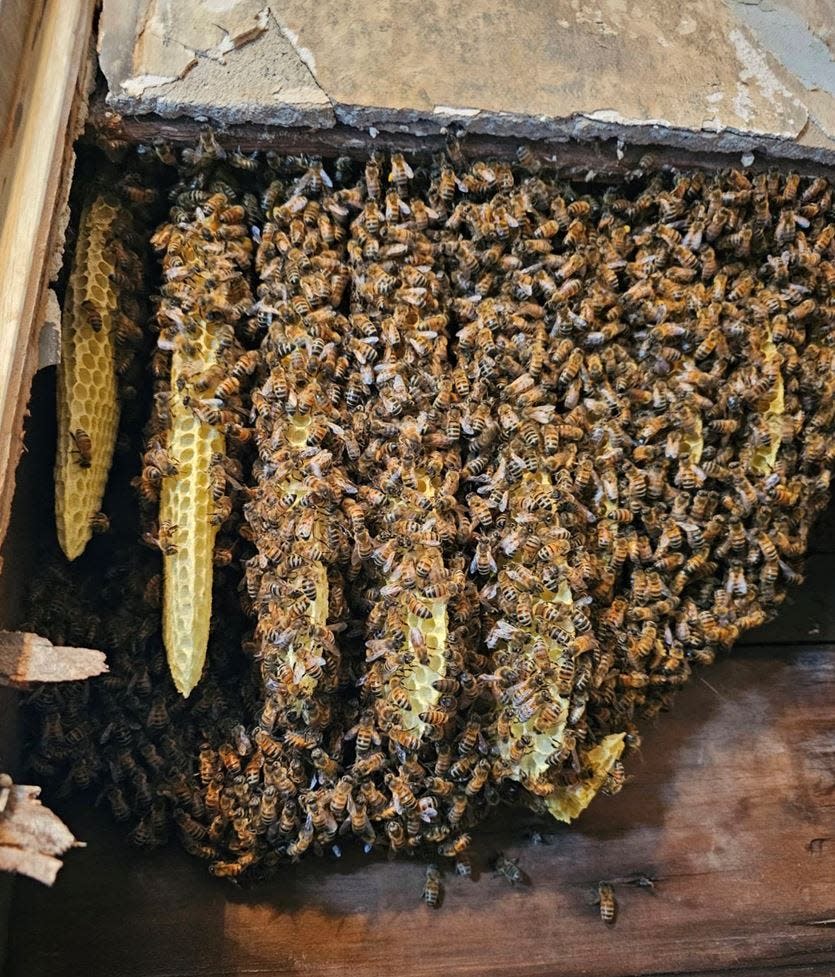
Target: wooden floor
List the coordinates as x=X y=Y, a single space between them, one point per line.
x=730 y=809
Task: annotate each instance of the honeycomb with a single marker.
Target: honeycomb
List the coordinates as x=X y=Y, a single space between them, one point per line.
x=87 y=386
x=544 y=735
x=421 y=608
x=296 y=579
x=568 y=803
x=186 y=505
x=532 y=612
x=198 y=407
x=420 y=683
x=773 y=406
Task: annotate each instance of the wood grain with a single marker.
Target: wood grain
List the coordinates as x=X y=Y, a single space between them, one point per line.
x=15 y=16
x=731 y=809
x=35 y=165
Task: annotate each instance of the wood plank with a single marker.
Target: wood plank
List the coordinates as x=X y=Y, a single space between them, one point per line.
x=730 y=808
x=35 y=164
x=31 y=836
x=15 y=16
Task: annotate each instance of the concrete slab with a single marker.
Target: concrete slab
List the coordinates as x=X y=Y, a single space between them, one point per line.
x=224 y=60
x=721 y=75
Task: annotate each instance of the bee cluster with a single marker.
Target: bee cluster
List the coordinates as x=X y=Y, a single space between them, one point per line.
x=196 y=427
x=493 y=462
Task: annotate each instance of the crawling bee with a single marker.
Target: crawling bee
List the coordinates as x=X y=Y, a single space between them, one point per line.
x=432 y=887
x=508 y=869
x=100 y=522
x=607 y=902
x=83 y=447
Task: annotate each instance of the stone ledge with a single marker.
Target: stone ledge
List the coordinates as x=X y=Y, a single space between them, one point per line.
x=719 y=77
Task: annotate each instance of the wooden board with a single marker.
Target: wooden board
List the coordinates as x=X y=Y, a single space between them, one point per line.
x=35 y=168
x=14 y=15
x=731 y=809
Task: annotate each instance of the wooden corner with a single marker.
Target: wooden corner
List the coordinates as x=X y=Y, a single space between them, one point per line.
x=48 y=41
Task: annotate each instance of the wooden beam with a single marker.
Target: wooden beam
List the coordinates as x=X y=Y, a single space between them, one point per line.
x=35 y=168
x=15 y=16
x=575 y=159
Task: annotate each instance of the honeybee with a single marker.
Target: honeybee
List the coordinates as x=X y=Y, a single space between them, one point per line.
x=158 y=717
x=165 y=539
x=432 y=887
x=99 y=522
x=235 y=869
x=455 y=846
x=407 y=740
x=119 y=807
x=83 y=447
x=400 y=172
x=607 y=902
x=508 y=869
x=527 y=159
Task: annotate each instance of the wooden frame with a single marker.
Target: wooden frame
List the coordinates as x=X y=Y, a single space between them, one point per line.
x=44 y=83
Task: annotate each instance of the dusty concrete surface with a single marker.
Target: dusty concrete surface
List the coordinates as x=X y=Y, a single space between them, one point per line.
x=225 y=60
x=714 y=75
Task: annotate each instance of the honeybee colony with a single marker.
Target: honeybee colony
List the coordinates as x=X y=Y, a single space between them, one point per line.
x=450 y=473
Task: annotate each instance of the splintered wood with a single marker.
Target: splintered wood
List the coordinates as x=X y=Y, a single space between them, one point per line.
x=31 y=836
x=26 y=657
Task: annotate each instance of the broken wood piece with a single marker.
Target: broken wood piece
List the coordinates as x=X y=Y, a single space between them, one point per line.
x=5 y=789
x=31 y=836
x=27 y=657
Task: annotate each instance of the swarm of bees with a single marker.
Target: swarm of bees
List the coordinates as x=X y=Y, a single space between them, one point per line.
x=494 y=462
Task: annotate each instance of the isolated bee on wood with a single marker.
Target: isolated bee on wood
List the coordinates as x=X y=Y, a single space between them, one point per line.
x=607 y=902
x=509 y=870
x=432 y=887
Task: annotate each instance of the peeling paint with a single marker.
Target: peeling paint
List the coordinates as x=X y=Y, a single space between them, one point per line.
x=305 y=54
x=611 y=115
x=743 y=104
x=453 y=112
x=793 y=43
x=755 y=67
x=137 y=85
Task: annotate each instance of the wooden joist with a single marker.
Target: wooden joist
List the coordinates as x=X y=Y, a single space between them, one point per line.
x=46 y=101
x=593 y=160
